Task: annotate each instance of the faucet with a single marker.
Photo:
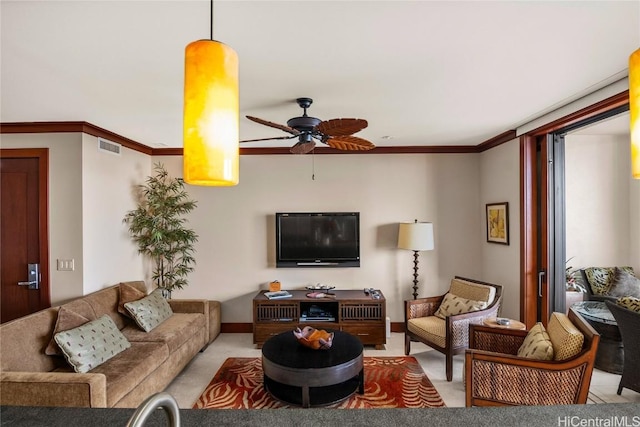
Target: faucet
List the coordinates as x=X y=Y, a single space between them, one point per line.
x=159 y=400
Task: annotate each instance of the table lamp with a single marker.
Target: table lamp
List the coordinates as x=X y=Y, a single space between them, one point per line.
x=415 y=236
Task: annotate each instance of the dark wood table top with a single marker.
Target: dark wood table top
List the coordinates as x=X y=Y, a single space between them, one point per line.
x=285 y=350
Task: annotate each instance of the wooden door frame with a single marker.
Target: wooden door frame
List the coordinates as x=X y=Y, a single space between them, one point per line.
x=42 y=154
x=530 y=224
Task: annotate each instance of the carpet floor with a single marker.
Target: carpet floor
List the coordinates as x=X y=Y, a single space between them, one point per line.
x=390 y=382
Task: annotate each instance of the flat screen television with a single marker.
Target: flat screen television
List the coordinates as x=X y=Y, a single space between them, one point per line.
x=321 y=239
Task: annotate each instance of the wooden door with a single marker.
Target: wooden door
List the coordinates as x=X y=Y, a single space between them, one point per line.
x=23 y=231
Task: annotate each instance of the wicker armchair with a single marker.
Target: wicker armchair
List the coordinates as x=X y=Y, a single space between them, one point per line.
x=496 y=376
x=629 y=325
x=450 y=335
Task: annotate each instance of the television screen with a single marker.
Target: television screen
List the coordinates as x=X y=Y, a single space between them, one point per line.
x=329 y=239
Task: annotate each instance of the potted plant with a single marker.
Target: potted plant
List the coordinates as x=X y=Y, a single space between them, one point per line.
x=158 y=228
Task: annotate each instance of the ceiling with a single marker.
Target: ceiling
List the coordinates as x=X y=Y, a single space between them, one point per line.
x=421 y=72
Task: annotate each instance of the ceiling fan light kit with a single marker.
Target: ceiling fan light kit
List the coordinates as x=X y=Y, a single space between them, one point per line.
x=634 y=111
x=336 y=133
x=211 y=155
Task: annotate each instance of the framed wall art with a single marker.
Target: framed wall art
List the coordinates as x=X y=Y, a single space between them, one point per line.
x=498 y=223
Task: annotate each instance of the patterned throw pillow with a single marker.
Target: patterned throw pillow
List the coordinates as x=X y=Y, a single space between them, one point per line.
x=90 y=345
x=67 y=319
x=537 y=344
x=624 y=284
x=150 y=311
x=630 y=303
x=600 y=278
x=566 y=338
x=453 y=304
x=128 y=293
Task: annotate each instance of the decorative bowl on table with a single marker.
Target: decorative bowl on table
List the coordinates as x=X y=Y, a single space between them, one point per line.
x=317 y=339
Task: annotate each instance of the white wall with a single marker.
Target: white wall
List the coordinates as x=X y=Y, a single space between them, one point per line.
x=602 y=201
x=235 y=224
x=500 y=182
x=108 y=186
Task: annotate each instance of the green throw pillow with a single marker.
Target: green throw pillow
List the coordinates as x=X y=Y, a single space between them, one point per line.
x=90 y=345
x=149 y=311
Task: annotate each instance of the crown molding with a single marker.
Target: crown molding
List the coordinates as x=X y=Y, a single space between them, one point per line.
x=90 y=129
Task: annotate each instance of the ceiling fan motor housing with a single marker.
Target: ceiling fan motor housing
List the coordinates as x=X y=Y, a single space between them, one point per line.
x=304 y=123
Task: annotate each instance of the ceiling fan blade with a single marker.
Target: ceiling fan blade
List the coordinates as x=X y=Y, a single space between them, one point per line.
x=303 y=147
x=341 y=127
x=287 y=129
x=269 y=139
x=350 y=143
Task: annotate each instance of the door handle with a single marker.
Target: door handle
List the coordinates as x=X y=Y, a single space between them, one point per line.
x=540 y=278
x=33 y=277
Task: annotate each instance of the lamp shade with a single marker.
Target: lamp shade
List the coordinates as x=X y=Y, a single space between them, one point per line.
x=415 y=236
x=211 y=114
x=634 y=112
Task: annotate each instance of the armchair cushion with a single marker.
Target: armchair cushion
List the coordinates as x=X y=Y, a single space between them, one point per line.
x=566 y=338
x=624 y=284
x=472 y=291
x=537 y=344
x=453 y=304
x=431 y=328
x=630 y=303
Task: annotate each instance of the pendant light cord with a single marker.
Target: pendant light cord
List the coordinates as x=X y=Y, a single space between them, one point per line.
x=211 y=20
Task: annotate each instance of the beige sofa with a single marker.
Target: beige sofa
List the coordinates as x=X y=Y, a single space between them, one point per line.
x=29 y=377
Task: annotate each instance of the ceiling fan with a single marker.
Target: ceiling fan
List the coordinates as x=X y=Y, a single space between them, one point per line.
x=336 y=133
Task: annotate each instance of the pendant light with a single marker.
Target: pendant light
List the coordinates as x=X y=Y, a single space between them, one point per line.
x=211 y=113
x=634 y=109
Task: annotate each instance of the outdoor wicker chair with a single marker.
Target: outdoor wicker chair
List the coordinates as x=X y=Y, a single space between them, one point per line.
x=449 y=335
x=629 y=325
x=496 y=376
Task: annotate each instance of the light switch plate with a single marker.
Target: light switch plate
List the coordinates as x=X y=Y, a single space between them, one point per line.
x=66 y=265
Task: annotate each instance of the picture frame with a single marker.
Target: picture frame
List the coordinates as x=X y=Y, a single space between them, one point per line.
x=497 y=217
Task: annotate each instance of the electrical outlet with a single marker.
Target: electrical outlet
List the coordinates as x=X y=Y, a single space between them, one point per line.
x=66 y=265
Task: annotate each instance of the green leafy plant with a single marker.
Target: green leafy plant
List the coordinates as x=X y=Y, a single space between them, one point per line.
x=157 y=226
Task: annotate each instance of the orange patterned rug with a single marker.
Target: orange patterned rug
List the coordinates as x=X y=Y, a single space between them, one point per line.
x=390 y=382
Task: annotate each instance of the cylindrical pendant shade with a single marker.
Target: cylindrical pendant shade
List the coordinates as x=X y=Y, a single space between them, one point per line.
x=211 y=114
x=634 y=110
x=415 y=236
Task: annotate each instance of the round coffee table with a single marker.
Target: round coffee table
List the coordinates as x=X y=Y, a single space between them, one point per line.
x=610 y=354
x=301 y=376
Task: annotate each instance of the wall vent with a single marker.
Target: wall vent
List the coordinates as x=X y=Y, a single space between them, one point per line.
x=109 y=147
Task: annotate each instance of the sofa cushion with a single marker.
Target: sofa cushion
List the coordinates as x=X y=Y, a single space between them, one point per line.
x=67 y=319
x=536 y=344
x=453 y=304
x=128 y=293
x=630 y=303
x=174 y=331
x=624 y=284
x=431 y=328
x=566 y=338
x=91 y=344
x=600 y=278
x=131 y=367
x=150 y=311
x=472 y=291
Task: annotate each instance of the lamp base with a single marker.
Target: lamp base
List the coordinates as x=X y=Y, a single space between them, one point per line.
x=415 y=274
